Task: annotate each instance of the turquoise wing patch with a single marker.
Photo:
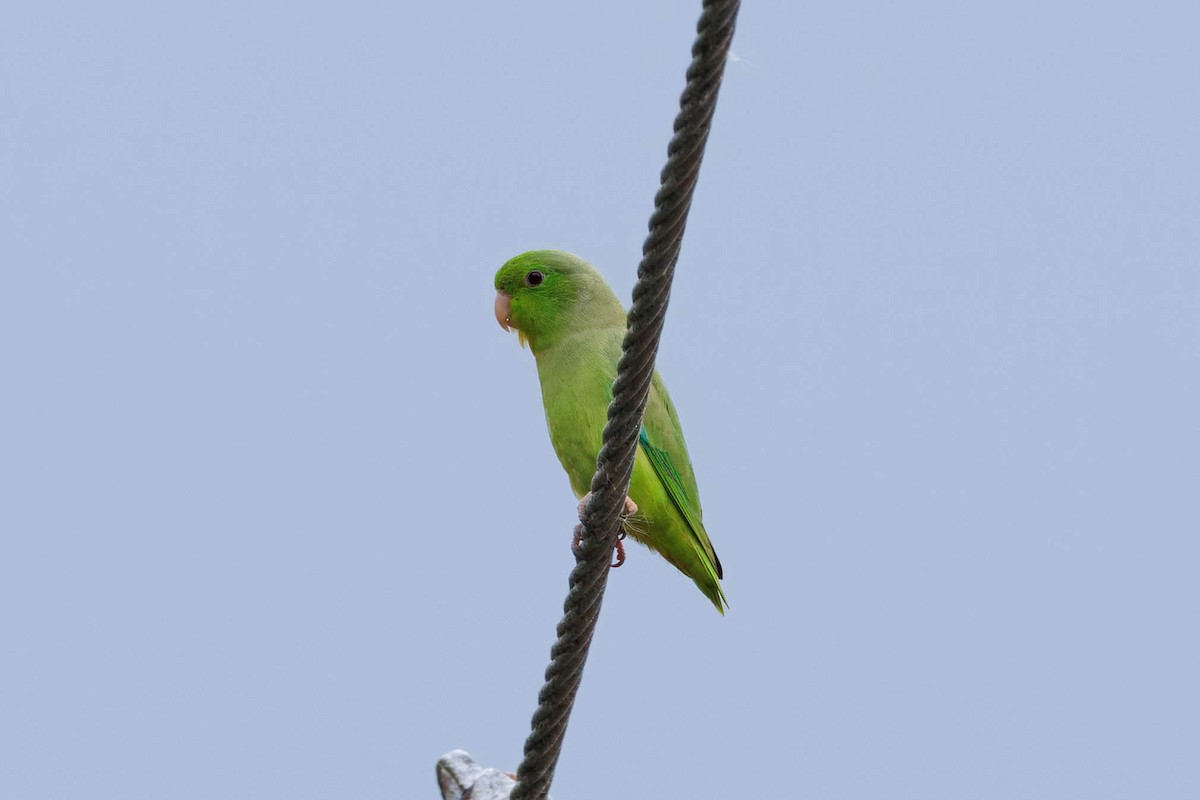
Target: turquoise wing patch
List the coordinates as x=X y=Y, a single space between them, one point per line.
x=669 y=476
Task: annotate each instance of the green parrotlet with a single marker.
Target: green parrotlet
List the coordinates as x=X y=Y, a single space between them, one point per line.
x=562 y=308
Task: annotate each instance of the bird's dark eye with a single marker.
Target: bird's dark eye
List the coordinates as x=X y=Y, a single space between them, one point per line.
x=534 y=278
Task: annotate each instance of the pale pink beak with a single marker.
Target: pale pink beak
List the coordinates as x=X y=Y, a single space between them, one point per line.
x=503 y=309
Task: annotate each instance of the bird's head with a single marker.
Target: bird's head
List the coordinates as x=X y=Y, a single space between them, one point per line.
x=543 y=294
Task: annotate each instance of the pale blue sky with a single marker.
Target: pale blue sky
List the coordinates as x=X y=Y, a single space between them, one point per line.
x=279 y=517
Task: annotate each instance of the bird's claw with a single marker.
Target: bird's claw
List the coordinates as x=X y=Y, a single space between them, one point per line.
x=619 y=549
x=631 y=508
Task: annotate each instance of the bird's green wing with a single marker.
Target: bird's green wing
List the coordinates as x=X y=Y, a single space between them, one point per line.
x=662 y=441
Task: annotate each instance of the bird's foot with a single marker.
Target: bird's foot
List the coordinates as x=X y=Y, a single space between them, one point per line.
x=631 y=508
x=618 y=546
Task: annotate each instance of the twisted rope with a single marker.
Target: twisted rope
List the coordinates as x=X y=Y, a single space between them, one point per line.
x=614 y=464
